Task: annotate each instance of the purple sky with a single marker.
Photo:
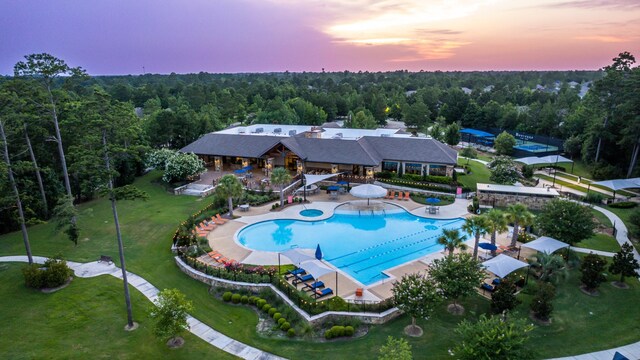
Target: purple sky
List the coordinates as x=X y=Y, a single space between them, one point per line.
x=119 y=37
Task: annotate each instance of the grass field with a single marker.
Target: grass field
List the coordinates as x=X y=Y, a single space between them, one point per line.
x=602 y=242
x=147 y=228
x=479 y=174
x=84 y=320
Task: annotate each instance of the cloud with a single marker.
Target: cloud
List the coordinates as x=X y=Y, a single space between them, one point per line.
x=592 y=4
x=603 y=38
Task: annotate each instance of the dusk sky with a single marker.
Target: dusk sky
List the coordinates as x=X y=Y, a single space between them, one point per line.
x=120 y=37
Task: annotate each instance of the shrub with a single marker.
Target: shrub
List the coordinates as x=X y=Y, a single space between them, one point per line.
x=266 y=307
x=272 y=311
x=527 y=171
x=244 y=299
x=328 y=334
x=260 y=303
x=285 y=326
x=624 y=205
x=57 y=272
x=277 y=316
x=227 y=296
x=337 y=331
x=291 y=333
x=281 y=321
x=593 y=198
x=33 y=276
x=252 y=300
x=235 y=298
x=348 y=331
x=592 y=269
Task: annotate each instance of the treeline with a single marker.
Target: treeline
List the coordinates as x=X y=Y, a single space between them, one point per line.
x=152 y=111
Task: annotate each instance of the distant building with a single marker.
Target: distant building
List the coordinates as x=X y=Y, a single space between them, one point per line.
x=492 y=195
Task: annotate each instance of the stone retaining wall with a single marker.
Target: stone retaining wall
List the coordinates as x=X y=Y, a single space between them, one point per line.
x=366 y=318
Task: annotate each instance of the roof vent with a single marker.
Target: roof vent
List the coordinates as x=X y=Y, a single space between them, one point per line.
x=259 y=130
x=385 y=135
x=292 y=132
x=337 y=136
x=277 y=130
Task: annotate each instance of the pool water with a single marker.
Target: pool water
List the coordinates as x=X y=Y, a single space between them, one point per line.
x=311 y=213
x=362 y=245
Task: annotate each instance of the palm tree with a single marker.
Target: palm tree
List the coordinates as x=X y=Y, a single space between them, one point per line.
x=496 y=223
x=280 y=177
x=551 y=266
x=451 y=240
x=476 y=226
x=229 y=187
x=520 y=216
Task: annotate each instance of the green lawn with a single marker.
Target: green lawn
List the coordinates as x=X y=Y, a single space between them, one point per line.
x=602 y=242
x=601 y=218
x=479 y=174
x=147 y=228
x=84 y=320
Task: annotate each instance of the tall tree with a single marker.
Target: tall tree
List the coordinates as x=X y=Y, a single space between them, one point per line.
x=624 y=262
x=520 y=216
x=14 y=187
x=493 y=338
x=475 y=226
x=457 y=277
x=417 y=296
x=566 y=221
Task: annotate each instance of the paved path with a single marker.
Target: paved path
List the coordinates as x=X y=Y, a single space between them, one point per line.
x=196 y=327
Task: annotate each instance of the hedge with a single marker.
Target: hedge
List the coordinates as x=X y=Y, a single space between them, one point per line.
x=623 y=205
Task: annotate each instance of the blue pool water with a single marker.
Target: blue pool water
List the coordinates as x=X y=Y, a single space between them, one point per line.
x=361 y=245
x=311 y=213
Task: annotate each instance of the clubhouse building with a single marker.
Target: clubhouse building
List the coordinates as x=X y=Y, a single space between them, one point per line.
x=358 y=153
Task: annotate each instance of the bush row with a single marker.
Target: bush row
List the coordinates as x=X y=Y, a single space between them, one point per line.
x=295 y=201
x=261 y=304
x=423 y=186
x=250 y=274
x=388 y=175
x=624 y=205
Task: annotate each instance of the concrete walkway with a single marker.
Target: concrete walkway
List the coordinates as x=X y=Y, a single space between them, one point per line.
x=196 y=327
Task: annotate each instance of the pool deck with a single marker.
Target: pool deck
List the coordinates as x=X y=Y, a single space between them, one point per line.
x=222 y=239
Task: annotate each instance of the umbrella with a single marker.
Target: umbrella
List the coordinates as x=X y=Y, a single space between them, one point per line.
x=488 y=246
x=342 y=182
x=432 y=200
x=240 y=171
x=368 y=191
x=318 y=253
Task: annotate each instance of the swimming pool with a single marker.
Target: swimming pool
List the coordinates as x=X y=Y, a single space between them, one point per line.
x=361 y=245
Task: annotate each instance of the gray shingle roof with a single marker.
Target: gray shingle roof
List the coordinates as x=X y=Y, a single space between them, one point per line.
x=411 y=149
x=367 y=151
x=232 y=145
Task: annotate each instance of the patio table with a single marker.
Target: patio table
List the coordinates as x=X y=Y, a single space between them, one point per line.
x=244 y=207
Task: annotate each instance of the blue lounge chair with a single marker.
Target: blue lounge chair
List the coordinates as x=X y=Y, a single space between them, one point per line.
x=292 y=273
x=496 y=281
x=313 y=286
x=487 y=287
x=323 y=292
x=301 y=279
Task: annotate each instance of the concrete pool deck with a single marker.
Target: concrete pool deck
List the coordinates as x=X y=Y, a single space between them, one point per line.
x=223 y=240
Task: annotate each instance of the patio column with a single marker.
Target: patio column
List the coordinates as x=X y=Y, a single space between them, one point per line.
x=245 y=162
x=428 y=171
x=334 y=168
x=299 y=167
x=217 y=163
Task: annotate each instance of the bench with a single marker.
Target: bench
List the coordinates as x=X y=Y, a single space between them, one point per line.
x=105 y=258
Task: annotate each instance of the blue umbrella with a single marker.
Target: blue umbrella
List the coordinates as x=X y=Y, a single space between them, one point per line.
x=318 y=253
x=487 y=246
x=432 y=200
x=240 y=171
x=342 y=182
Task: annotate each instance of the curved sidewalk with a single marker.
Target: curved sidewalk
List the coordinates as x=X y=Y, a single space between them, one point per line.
x=196 y=327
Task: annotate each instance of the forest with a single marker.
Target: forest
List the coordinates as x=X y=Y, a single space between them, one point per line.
x=58 y=122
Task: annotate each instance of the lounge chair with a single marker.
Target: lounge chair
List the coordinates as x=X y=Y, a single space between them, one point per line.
x=218 y=222
x=359 y=292
x=302 y=278
x=496 y=281
x=392 y=194
x=220 y=218
x=222 y=260
x=313 y=286
x=323 y=292
x=206 y=226
x=487 y=287
x=389 y=194
x=399 y=195
x=292 y=273
x=215 y=255
x=406 y=196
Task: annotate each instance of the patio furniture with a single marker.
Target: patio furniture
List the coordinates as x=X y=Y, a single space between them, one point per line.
x=105 y=258
x=292 y=273
x=432 y=209
x=359 y=292
x=244 y=207
x=333 y=195
x=487 y=287
x=323 y=292
x=302 y=278
x=407 y=195
x=313 y=286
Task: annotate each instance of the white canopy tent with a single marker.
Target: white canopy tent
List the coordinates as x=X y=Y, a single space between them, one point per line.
x=546 y=244
x=312 y=179
x=530 y=160
x=552 y=159
x=503 y=265
x=368 y=191
x=296 y=256
x=317 y=269
x=618 y=184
